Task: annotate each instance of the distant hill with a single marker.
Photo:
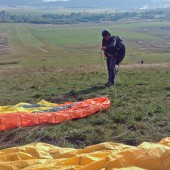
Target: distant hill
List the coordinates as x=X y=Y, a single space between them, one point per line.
x=115 y=4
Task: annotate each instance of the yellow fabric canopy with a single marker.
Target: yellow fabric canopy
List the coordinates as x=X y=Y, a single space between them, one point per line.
x=27 y=107
x=104 y=156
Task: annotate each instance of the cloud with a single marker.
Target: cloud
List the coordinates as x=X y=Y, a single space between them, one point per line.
x=144 y=7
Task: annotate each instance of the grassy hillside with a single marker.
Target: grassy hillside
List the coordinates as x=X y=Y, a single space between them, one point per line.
x=59 y=63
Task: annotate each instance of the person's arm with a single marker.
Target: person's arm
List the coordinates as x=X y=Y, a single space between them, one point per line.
x=104 y=47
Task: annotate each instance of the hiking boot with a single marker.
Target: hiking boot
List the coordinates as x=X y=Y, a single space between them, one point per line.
x=109 y=84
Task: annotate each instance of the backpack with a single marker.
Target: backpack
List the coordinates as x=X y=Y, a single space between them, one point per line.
x=121 y=49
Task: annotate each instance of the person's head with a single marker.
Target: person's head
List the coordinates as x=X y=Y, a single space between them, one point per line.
x=106 y=34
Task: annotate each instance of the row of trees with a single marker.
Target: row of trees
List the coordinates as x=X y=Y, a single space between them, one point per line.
x=6 y=17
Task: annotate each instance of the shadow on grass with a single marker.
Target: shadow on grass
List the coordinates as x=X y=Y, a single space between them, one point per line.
x=78 y=95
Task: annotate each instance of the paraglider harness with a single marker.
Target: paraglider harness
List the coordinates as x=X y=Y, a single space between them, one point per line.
x=121 y=50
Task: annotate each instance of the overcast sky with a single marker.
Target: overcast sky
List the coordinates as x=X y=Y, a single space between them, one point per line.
x=101 y=0
x=54 y=0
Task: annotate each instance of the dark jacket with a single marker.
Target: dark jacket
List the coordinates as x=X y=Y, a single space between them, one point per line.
x=111 y=46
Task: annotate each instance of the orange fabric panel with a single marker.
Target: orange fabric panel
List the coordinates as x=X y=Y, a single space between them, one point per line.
x=28 y=119
x=47 y=117
x=10 y=121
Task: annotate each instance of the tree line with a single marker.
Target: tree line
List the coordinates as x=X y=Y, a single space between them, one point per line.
x=79 y=17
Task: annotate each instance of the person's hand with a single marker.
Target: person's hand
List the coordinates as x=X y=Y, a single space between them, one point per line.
x=104 y=48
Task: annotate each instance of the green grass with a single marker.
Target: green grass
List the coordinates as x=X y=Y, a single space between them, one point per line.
x=62 y=64
x=27 y=38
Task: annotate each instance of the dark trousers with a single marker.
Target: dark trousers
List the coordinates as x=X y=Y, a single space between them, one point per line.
x=111 y=64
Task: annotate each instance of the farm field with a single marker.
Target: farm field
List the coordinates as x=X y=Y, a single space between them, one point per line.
x=62 y=63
